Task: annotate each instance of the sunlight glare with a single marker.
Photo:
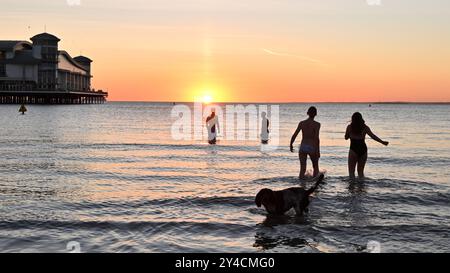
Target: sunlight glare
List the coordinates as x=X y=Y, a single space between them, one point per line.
x=207 y=99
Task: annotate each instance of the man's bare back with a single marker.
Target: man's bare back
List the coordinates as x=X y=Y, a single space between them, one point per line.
x=310 y=144
x=310 y=134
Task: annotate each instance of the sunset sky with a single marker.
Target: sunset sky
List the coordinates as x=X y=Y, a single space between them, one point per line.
x=250 y=50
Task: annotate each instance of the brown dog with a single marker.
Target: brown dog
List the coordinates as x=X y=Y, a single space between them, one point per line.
x=279 y=202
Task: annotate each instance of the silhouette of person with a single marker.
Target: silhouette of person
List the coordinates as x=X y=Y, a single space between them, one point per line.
x=310 y=144
x=212 y=124
x=264 y=128
x=356 y=132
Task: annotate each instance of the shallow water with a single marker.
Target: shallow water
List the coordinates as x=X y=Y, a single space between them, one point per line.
x=111 y=178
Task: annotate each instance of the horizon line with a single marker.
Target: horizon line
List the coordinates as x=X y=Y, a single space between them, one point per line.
x=295 y=102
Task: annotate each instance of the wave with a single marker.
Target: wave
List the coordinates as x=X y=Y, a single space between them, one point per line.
x=421 y=161
x=161 y=146
x=99 y=175
x=236 y=201
x=376 y=182
x=150 y=227
x=402 y=228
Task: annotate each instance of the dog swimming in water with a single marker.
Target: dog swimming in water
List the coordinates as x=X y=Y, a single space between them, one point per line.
x=279 y=202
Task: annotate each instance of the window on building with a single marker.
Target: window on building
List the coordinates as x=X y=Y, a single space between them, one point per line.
x=2 y=70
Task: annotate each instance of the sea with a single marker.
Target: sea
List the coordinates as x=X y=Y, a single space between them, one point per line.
x=113 y=178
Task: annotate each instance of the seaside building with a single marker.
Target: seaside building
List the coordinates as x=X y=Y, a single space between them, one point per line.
x=38 y=72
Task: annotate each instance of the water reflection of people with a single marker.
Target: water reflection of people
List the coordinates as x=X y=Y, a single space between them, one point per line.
x=264 y=128
x=355 y=206
x=310 y=142
x=212 y=124
x=357 y=155
x=211 y=159
x=357 y=187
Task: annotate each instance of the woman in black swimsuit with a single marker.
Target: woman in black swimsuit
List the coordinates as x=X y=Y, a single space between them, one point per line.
x=357 y=155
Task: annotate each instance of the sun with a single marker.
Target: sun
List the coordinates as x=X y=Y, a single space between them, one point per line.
x=206 y=95
x=207 y=99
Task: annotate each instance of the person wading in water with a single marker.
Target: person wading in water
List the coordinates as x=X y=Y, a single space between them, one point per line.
x=310 y=144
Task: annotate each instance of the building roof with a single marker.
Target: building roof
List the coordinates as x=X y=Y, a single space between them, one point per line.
x=13 y=45
x=45 y=36
x=22 y=57
x=23 y=53
x=72 y=60
x=83 y=59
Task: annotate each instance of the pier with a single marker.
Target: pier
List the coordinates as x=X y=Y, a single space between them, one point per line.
x=52 y=97
x=38 y=72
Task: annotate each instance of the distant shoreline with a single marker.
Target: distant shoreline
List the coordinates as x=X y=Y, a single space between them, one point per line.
x=242 y=102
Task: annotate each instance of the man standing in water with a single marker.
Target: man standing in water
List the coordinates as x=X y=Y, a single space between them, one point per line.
x=310 y=142
x=211 y=123
x=264 y=129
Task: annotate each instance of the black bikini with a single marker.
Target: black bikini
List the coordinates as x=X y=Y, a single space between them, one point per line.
x=358 y=146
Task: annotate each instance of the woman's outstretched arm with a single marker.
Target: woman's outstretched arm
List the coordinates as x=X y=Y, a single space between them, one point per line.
x=375 y=137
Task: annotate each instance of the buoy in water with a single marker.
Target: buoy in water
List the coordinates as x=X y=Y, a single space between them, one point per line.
x=22 y=109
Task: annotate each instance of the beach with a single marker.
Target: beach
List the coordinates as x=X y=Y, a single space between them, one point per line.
x=111 y=178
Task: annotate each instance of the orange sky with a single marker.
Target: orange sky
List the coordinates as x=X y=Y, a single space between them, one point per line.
x=264 y=51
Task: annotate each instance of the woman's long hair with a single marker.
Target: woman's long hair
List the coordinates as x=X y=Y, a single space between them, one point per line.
x=358 y=124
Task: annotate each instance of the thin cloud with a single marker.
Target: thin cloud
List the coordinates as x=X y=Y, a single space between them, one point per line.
x=300 y=57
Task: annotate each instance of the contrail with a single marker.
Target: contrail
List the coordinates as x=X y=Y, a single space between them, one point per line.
x=303 y=58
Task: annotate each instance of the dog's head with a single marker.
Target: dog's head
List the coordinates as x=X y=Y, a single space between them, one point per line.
x=264 y=196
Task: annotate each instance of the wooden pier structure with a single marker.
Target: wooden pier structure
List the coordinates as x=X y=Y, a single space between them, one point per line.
x=52 y=97
x=38 y=72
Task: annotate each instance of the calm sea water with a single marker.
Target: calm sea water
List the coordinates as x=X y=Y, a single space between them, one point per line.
x=111 y=178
